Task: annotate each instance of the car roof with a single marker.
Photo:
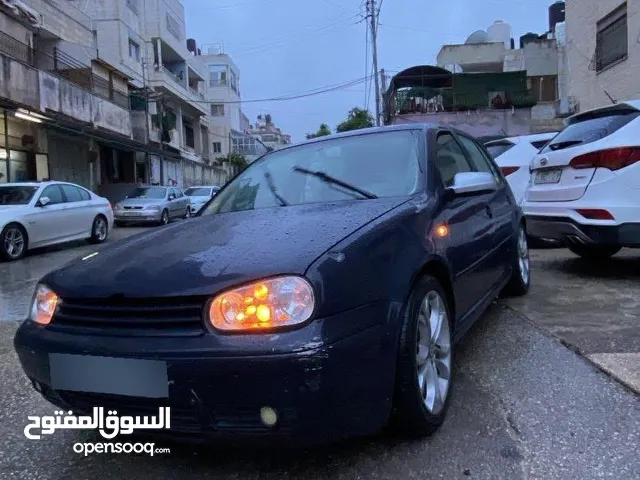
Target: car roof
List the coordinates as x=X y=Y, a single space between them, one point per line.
x=22 y=184
x=623 y=105
x=530 y=138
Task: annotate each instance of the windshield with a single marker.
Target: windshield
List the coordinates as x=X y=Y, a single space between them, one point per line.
x=496 y=149
x=148 y=192
x=591 y=127
x=371 y=165
x=198 y=192
x=16 y=195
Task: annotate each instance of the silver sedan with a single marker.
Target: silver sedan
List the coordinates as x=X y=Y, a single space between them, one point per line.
x=40 y=214
x=153 y=204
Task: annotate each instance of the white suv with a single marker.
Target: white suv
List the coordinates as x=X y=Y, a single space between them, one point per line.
x=585 y=184
x=513 y=155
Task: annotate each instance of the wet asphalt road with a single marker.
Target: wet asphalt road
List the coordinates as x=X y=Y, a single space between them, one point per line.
x=524 y=406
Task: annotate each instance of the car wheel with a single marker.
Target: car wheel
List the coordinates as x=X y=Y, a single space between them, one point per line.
x=99 y=230
x=425 y=361
x=187 y=213
x=13 y=242
x=164 y=218
x=594 y=252
x=520 y=268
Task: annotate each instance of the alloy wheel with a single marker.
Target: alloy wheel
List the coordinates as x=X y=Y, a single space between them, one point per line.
x=100 y=229
x=433 y=353
x=14 y=242
x=523 y=257
x=165 y=218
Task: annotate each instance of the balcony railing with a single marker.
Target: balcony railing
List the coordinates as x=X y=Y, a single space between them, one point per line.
x=63 y=65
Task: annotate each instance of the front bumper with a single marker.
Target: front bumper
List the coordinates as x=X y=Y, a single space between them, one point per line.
x=568 y=231
x=143 y=217
x=321 y=391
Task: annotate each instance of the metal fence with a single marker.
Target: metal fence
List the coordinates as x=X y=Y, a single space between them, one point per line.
x=62 y=65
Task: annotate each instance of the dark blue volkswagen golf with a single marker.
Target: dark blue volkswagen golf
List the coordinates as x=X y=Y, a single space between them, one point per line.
x=317 y=296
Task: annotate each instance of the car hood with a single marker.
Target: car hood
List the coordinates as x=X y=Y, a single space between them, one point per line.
x=132 y=202
x=206 y=254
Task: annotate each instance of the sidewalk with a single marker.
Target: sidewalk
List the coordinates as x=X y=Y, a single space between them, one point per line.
x=593 y=308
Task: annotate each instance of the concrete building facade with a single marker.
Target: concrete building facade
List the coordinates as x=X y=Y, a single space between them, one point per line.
x=603 y=51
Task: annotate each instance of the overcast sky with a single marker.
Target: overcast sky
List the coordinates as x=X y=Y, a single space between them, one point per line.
x=291 y=46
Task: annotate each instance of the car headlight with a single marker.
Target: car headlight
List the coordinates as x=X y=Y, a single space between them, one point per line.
x=118 y=207
x=263 y=305
x=44 y=305
x=152 y=207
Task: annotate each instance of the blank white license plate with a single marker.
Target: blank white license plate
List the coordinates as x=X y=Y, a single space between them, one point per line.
x=132 y=214
x=548 y=176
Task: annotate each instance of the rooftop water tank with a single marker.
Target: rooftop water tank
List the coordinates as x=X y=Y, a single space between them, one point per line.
x=479 y=36
x=528 y=38
x=500 y=31
x=556 y=15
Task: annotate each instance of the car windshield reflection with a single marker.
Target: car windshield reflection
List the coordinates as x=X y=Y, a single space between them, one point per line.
x=157 y=193
x=17 y=195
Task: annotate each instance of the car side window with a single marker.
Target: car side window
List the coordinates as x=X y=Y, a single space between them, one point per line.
x=179 y=193
x=450 y=158
x=170 y=192
x=480 y=160
x=71 y=193
x=54 y=194
x=84 y=194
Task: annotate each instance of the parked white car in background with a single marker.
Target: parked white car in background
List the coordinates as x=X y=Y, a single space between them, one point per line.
x=200 y=195
x=46 y=213
x=514 y=154
x=585 y=188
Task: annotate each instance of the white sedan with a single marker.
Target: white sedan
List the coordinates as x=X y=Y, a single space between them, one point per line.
x=39 y=214
x=200 y=195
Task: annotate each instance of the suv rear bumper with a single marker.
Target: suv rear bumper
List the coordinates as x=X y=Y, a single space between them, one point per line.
x=568 y=231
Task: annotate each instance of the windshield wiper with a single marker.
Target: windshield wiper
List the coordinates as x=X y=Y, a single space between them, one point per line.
x=273 y=189
x=329 y=179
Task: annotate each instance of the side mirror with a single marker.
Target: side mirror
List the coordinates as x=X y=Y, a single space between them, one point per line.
x=43 y=202
x=172 y=197
x=473 y=182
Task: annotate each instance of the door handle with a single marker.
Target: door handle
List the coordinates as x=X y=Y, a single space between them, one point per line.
x=489 y=211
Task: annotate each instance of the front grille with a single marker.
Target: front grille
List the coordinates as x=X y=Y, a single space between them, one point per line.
x=132 y=316
x=133 y=208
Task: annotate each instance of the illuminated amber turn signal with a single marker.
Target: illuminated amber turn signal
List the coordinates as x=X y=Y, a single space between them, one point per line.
x=441 y=231
x=267 y=304
x=44 y=305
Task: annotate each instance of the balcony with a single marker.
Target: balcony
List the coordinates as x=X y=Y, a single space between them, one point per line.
x=55 y=82
x=63 y=19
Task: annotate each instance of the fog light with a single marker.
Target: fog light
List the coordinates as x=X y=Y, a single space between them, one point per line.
x=268 y=416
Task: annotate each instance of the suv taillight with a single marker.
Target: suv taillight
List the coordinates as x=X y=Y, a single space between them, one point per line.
x=509 y=170
x=613 y=158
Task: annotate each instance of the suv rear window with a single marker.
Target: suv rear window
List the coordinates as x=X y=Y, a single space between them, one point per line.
x=592 y=128
x=538 y=144
x=496 y=149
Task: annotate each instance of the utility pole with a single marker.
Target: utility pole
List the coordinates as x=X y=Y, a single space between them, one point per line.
x=372 y=15
x=383 y=80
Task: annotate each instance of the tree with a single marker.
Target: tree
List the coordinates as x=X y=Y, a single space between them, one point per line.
x=322 y=131
x=357 y=118
x=235 y=159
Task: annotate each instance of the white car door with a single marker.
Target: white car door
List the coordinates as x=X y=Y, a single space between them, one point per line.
x=79 y=212
x=48 y=224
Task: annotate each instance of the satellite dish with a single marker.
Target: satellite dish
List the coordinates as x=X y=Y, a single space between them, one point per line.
x=479 y=36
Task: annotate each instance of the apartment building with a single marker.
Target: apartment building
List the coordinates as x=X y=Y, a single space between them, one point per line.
x=63 y=111
x=268 y=134
x=603 y=51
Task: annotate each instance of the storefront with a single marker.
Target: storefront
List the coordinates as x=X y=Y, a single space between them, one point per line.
x=21 y=155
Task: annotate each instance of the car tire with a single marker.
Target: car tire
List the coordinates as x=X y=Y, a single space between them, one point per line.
x=520 y=280
x=164 y=217
x=594 y=252
x=99 y=230
x=422 y=395
x=187 y=213
x=10 y=240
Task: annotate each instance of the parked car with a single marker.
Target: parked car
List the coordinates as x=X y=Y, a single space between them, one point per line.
x=317 y=296
x=514 y=154
x=200 y=195
x=40 y=214
x=152 y=204
x=585 y=183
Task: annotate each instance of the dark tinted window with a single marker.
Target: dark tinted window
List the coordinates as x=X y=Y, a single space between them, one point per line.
x=539 y=144
x=479 y=158
x=591 y=128
x=54 y=194
x=72 y=193
x=450 y=159
x=84 y=194
x=198 y=192
x=178 y=192
x=16 y=195
x=496 y=149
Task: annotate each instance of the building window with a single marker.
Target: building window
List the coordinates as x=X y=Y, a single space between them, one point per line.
x=133 y=6
x=217 y=109
x=217 y=75
x=217 y=147
x=173 y=26
x=189 y=138
x=234 y=80
x=611 y=39
x=134 y=51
